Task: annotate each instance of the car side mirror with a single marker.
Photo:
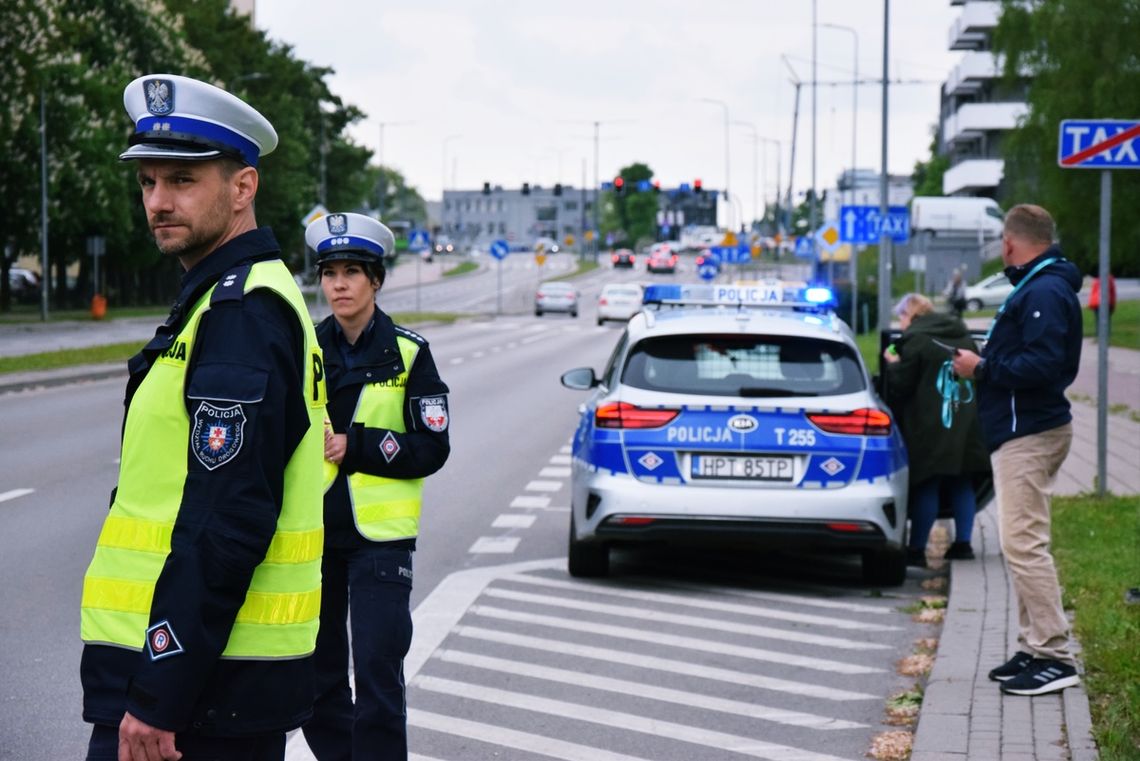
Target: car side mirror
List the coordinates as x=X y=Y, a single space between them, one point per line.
x=580 y=378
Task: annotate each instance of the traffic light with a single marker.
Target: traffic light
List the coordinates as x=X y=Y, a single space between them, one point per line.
x=697 y=186
x=558 y=188
x=526 y=189
x=619 y=185
x=657 y=186
x=486 y=188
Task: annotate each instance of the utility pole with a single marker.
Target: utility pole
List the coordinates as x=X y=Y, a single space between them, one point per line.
x=884 y=188
x=45 y=279
x=790 y=207
x=814 y=89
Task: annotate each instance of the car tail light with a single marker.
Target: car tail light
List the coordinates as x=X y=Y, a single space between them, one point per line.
x=614 y=258
x=540 y=296
x=852 y=528
x=602 y=301
x=861 y=422
x=626 y=415
x=632 y=259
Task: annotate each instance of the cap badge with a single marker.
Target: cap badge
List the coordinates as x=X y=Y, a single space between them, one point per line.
x=159 y=96
x=338 y=224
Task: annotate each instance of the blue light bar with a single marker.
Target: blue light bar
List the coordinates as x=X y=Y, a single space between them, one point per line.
x=818 y=295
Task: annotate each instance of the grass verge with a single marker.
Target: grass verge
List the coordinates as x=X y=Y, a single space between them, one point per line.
x=584 y=266
x=51 y=360
x=1123 y=326
x=1095 y=545
x=23 y=313
x=461 y=268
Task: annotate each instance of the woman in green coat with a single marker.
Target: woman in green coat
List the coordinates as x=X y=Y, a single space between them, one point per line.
x=942 y=459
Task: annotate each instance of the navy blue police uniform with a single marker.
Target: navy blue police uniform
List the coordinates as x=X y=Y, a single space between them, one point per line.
x=370 y=578
x=248 y=355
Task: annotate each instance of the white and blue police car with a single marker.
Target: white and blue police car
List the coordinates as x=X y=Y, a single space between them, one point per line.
x=732 y=415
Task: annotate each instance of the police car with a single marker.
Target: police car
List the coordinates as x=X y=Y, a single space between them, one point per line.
x=733 y=415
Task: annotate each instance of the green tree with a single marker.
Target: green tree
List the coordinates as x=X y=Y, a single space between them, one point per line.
x=1081 y=60
x=632 y=214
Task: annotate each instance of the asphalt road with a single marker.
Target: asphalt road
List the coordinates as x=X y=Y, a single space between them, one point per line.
x=678 y=655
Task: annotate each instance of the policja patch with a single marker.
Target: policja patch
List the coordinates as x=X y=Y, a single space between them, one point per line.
x=217 y=435
x=433 y=411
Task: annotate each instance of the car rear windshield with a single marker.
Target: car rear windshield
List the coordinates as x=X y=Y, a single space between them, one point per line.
x=750 y=366
x=632 y=290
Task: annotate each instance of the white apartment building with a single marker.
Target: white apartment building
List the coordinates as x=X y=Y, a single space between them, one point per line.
x=978 y=109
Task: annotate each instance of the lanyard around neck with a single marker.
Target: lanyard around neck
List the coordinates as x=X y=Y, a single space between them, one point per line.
x=1040 y=266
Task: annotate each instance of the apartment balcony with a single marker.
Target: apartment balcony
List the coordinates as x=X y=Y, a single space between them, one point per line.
x=972 y=175
x=972 y=74
x=971 y=29
x=973 y=120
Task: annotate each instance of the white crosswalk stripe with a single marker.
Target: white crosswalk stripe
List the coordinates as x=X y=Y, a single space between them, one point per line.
x=672 y=640
x=701 y=622
x=701 y=602
x=627 y=687
x=746 y=746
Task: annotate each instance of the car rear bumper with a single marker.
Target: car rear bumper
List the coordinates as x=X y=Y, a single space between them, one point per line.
x=621 y=509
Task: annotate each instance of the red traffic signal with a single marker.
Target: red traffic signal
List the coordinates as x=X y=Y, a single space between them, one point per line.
x=657 y=186
x=619 y=184
x=697 y=186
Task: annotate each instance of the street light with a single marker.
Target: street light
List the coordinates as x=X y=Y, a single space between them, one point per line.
x=727 y=163
x=854 y=143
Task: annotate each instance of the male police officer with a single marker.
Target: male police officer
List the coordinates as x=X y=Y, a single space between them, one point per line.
x=388 y=431
x=200 y=607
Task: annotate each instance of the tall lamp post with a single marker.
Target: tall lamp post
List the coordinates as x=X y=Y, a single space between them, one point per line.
x=727 y=162
x=884 y=187
x=854 y=144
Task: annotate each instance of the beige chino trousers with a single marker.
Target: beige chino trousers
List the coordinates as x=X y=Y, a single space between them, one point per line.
x=1025 y=469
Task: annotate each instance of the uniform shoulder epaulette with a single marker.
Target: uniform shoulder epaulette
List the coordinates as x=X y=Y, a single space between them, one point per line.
x=231 y=286
x=410 y=334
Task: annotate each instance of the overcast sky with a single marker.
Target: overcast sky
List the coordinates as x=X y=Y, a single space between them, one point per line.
x=522 y=81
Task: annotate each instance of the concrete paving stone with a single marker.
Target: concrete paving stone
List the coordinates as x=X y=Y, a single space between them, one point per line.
x=947 y=698
x=984 y=750
x=934 y=755
x=943 y=732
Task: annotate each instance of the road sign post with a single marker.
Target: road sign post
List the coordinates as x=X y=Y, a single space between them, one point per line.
x=1104 y=144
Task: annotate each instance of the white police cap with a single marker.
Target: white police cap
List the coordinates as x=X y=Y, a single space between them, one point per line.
x=183 y=119
x=350 y=236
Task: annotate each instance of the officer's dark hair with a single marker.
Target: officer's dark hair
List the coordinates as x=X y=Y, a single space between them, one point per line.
x=230 y=166
x=377 y=272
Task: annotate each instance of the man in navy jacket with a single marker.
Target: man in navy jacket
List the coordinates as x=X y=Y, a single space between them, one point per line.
x=1031 y=355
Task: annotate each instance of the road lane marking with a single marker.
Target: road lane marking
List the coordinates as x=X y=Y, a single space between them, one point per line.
x=747 y=746
x=554 y=472
x=696 y=602
x=456 y=361
x=14 y=494
x=531 y=339
x=560 y=459
x=543 y=486
x=530 y=501
x=495 y=545
x=565 y=449
x=652 y=692
x=657 y=663
x=699 y=622
x=854 y=607
x=674 y=640
x=514 y=520
x=512 y=738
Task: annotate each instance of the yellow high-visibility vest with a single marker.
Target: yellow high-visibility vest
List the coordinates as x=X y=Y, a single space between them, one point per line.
x=386 y=509
x=279 y=618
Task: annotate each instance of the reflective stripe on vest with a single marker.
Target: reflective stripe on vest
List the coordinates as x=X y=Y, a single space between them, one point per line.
x=386 y=509
x=279 y=617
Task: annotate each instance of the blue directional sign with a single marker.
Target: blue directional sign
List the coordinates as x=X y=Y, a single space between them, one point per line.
x=1098 y=144
x=500 y=248
x=731 y=254
x=862 y=224
x=418 y=240
x=804 y=248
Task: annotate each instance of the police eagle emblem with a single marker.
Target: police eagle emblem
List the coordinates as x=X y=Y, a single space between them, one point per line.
x=338 y=224
x=159 y=96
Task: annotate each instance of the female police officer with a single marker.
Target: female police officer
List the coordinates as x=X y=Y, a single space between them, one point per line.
x=388 y=414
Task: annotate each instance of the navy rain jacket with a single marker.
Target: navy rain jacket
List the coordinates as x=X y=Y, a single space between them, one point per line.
x=1033 y=353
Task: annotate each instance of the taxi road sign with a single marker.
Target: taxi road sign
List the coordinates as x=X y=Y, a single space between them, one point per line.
x=1098 y=144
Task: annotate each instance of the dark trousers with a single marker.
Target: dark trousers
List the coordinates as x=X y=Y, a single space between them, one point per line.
x=371 y=587
x=104 y=746
x=924 y=508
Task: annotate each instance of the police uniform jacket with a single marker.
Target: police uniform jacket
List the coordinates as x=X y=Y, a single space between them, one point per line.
x=225 y=523
x=421 y=451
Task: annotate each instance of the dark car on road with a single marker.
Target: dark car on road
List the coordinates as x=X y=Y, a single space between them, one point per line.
x=623 y=257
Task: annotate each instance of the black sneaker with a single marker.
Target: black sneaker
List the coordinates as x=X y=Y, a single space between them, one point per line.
x=1040 y=677
x=959 y=551
x=1011 y=668
x=916 y=558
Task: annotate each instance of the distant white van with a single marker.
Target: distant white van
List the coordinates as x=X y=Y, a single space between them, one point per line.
x=951 y=215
